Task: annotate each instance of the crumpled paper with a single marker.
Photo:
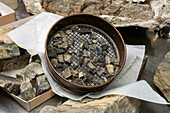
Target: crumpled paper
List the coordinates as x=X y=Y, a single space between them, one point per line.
x=32 y=35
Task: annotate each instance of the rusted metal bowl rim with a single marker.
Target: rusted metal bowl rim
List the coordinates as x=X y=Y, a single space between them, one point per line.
x=83 y=86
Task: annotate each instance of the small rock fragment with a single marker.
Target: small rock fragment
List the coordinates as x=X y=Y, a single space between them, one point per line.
x=95 y=41
x=82 y=44
x=105 y=79
x=81 y=61
x=86 y=53
x=57 y=35
x=115 y=61
x=86 y=45
x=36 y=58
x=90 y=65
x=104 y=47
x=60 y=58
x=110 y=69
x=93 y=47
x=66 y=73
x=57 y=43
x=81 y=74
x=101 y=40
x=42 y=84
x=95 y=59
x=64 y=39
x=68 y=32
x=89 y=41
x=100 y=71
x=67 y=58
x=93 y=36
x=27 y=91
x=74 y=28
x=74 y=72
x=84 y=31
x=98 y=50
x=54 y=62
x=107 y=60
x=86 y=60
x=63 y=46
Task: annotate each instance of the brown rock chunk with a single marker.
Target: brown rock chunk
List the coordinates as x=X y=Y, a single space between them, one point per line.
x=9 y=51
x=162 y=76
x=74 y=72
x=86 y=53
x=81 y=74
x=63 y=46
x=100 y=71
x=27 y=91
x=90 y=65
x=86 y=60
x=60 y=58
x=64 y=38
x=42 y=84
x=67 y=58
x=75 y=66
x=10 y=84
x=122 y=104
x=107 y=59
x=66 y=73
x=16 y=62
x=115 y=61
x=110 y=69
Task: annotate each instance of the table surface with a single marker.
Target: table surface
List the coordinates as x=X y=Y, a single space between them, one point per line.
x=131 y=36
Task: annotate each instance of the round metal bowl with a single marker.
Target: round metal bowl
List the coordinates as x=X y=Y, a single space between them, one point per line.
x=99 y=23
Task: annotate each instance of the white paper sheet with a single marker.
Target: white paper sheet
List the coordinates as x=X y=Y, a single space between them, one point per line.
x=32 y=36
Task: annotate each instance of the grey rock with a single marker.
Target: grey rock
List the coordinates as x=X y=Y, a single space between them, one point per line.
x=102 y=41
x=107 y=60
x=98 y=50
x=86 y=53
x=95 y=59
x=86 y=45
x=10 y=84
x=42 y=84
x=75 y=66
x=36 y=58
x=52 y=51
x=90 y=65
x=27 y=91
x=115 y=61
x=84 y=31
x=110 y=69
x=9 y=51
x=63 y=46
x=107 y=104
x=162 y=76
x=81 y=60
x=64 y=38
x=74 y=28
x=68 y=31
x=100 y=71
x=16 y=62
x=54 y=62
x=66 y=73
x=93 y=47
x=67 y=58
x=105 y=47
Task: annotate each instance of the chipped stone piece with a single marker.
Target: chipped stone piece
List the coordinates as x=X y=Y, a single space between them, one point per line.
x=42 y=84
x=36 y=58
x=99 y=50
x=84 y=31
x=60 y=58
x=81 y=74
x=110 y=69
x=95 y=41
x=86 y=45
x=54 y=62
x=74 y=28
x=93 y=47
x=90 y=65
x=101 y=40
x=57 y=35
x=64 y=39
x=81 y=61
x=86 y=60
x=68 y=32
x=105 y=47
x=100 y=71
x=27 y=91
x=82 y=44
x=115 y=61
x=74 y=72
x=63 y=46
x=105 y=79
x=75 y=66
x=89 y=41
x=107 y=60
x=86 y=53
x=95 y=59
x=66 y=73
x=67 y=58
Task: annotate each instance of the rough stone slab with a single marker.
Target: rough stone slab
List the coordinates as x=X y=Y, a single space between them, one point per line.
x=107 y=104
x=10 y=84
x=30 y=72
x=16 y=62
x=162 y=76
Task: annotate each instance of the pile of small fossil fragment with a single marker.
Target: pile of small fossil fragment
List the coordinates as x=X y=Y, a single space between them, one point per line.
x=82 y=55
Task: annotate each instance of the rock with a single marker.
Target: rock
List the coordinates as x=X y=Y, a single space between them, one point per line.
x=162 y=76
x=54 y=62
x=60 y=58
x=90 y=65
x=30 y=72
x=100 y=71
x=107 y=60
x=81 y=45
x=67 y=58
x=102 y=41
x=66 y=73
x=81 y=74
x=104 y=47
x=64 y=38
x=115 y=61
x=52 y=51
x=84 y=31
x=107 y=104
x=58 y=44
x=74 y=28
x=4 y=38
x=42 y=84
x=110 y=69
x=93 y=47
x=33 y=6
x=95 y=41
x=9 y=51
x=63 y=46
x=74 y=72
x=86 y=60
x=75 y=66
x=86 y=45
x=81 y=61
x=98 y=50
x=10 y=84
x=16 y=62
x=27 y=91
x=86 y=53
x=68 y=32
x=95 y=59
x=36 y=58
x=105 y=79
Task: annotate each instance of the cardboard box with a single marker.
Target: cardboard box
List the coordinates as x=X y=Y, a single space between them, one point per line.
x=31 y=104
x=8 y=14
